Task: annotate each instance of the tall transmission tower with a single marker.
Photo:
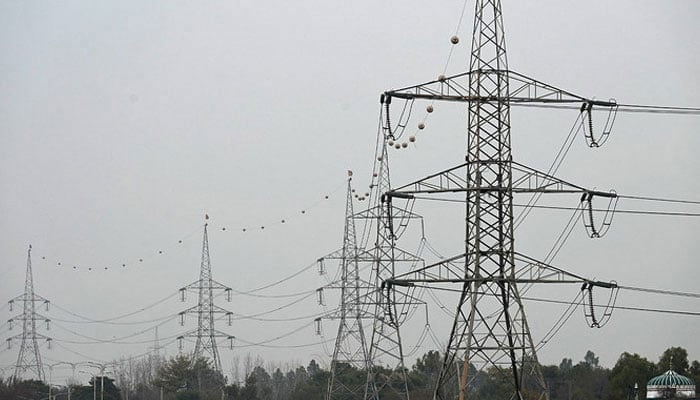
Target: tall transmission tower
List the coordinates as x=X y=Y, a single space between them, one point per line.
x=29 y=357
x=490 y=332
x=391 y=306
x=205 y=310
x=350 y=355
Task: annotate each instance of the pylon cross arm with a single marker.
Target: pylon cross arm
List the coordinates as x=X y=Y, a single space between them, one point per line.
x=523 y=89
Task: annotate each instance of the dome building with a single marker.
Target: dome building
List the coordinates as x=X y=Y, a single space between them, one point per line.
x=671 y=385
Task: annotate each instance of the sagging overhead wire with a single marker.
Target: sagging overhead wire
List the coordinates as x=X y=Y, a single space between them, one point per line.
x=625 y=108
x=160 y=251
x=617 y=210
x=88 y=320
x=615 y=307
x=266 y=343
x=280 y=281
x=563 y=319
x=621 y=211
x=118 y=340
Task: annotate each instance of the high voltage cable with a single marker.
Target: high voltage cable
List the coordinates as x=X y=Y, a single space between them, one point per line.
x=116 y=340
x=659 y=199
x=322 y=314
x=250 y=316
x=160 y=251
x=276 y=338
x=660 y=291
x=622 y=211
x=304 y=269
x=552 y=170
x=563 y=319
x=294 y=346
x=109 y=320
x=541 y=300
x=272 y=296
x=638 y=212
x=654 y=310
x=630 y=108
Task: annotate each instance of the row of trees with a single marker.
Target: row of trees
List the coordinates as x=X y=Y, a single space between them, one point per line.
x=182 y=378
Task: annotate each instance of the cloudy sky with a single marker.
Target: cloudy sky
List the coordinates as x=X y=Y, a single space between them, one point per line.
x=123 y=123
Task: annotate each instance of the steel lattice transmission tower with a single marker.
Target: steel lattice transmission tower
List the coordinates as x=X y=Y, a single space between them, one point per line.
x=391 y=304
x=29 y=357
x=490 y=332
x=205 y=310
x=350 y=355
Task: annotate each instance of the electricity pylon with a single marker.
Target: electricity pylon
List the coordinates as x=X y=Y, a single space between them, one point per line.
x=29 y=357
x=391 y=304
x=206 y=333
x=490 y=332
x=350 y=355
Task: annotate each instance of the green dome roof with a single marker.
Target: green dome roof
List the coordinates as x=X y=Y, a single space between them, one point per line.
x=670 y=378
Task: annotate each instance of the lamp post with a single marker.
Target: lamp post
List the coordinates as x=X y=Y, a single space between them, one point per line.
x=73 y=365
x=102 y=380
x=94 y=387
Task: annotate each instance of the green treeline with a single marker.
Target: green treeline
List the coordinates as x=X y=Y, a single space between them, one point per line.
x=181 y=378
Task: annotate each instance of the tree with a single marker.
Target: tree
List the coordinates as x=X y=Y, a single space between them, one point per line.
x=630 y=370
x=23 y=389
x=675 y=358
x=110 y=391
x=590 y=359
x=182 y=374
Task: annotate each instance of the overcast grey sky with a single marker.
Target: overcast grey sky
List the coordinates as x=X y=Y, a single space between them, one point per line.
x=122 y=123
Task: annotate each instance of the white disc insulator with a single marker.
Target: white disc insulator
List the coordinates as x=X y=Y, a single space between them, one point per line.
x=441 y=77
x=429 y=108
x=421 y=126
x=397 y=146
x=411 y=139
x=454 y=39
x=404 y=145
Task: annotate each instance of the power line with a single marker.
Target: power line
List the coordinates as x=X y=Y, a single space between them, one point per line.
x=654 y=310
x=646 y=198
x=116 y=340
x=638 y=212
x=629 y=108
x=660 y=291
x=622 y=211
x=88 y=320
x=553 y=301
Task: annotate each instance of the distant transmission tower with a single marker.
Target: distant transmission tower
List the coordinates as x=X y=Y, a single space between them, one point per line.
x=490 y=332
x=391 y=305
x=350 y=355
x=29 y=357
x=206 y=310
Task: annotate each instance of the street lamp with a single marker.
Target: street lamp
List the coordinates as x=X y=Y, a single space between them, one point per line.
x=94 y=387
x=73 y=365
x=102 y=379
